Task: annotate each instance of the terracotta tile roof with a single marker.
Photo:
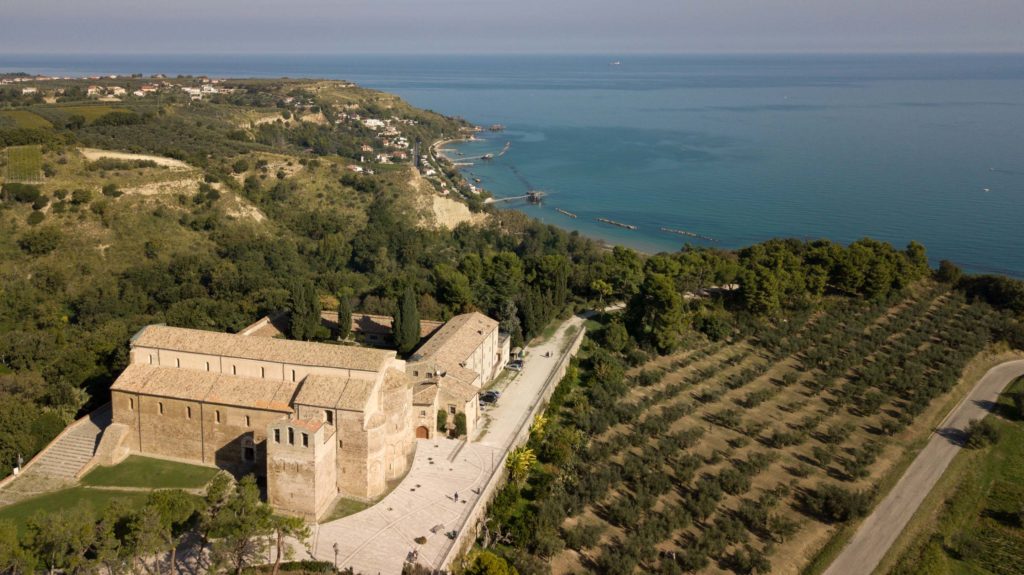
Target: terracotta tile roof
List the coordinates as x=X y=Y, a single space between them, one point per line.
x=330 y=391
x=377 y=324
x=457 y=389
x=463 y=374
x=457 y=339
x=310 y=425
x=207 y=387
x=321 y=390
x=356 y=395
x=424 y=394
x=260 y=348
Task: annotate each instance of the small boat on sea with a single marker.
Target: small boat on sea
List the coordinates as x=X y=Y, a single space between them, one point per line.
x=487 y=157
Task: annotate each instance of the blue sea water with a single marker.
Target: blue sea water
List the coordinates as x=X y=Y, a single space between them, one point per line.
x=736 y=148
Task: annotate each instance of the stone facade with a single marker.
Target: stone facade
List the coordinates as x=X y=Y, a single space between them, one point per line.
x=315 y=420
x=302 y=469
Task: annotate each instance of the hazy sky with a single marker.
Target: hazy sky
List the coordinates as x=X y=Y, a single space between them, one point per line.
x=338 y=26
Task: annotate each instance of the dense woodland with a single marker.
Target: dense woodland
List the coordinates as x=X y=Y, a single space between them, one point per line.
x=82 y=269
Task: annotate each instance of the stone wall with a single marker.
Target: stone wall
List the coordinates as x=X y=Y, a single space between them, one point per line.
x=301 y=469
x=205 y=433
x=475 y=520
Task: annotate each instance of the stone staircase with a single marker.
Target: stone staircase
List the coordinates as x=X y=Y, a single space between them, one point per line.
x=58 y=465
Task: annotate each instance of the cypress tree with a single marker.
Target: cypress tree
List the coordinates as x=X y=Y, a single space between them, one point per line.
x=407 y=322
x=344 y=316
x=305 y=311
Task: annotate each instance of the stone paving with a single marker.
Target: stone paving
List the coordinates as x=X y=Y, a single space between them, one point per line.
x=378 y=540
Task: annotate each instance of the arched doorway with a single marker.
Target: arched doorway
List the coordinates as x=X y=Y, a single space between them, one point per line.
x=422 y=432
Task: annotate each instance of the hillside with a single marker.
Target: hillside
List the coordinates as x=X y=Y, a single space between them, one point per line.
x=206 y=213
x=743 y=407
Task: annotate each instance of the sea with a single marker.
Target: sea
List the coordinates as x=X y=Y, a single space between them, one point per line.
x=732 y=149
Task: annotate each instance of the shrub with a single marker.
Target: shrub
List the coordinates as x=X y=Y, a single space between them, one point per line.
x=24 y=193
x=240 y=166
x=442 y=420
x=110 y=164
x=981 y=433
x=36 y=218
x=40 y=241
x=111 y=191
x=460 y=424
x=40 y=203
x=118 y=118
x=79 y=197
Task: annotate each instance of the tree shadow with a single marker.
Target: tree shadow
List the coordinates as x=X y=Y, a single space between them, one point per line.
x=1001 y=409
x=1006 y=518
x=957 y=437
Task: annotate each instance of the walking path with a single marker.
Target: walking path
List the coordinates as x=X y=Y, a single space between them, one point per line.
x=879 y=531
x=381 y=538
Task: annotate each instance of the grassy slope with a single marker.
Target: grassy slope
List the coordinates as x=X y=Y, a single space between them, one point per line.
x=96 y=500
x=25 y=119
x=150 y=473
x=973 y=501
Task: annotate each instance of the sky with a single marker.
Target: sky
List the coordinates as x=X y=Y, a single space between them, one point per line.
x=508 y=26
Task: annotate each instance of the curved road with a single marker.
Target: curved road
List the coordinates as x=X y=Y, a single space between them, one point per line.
x=878 y=532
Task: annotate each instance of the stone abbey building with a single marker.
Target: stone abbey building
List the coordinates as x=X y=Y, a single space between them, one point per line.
x=315 y=420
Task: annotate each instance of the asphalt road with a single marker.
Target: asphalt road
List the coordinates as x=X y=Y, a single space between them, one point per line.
x=879 y=531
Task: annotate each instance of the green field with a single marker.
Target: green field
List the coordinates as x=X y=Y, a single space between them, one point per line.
x=90 y=113
x=96 y=499
x=980 y=528
x=24 y=119
x=24 y=164
x=150 y=473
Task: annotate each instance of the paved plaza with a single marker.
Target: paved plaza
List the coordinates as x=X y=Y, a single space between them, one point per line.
x=379 y=539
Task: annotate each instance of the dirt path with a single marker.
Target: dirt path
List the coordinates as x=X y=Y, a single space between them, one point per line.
x=93 y=154
x=878 y=532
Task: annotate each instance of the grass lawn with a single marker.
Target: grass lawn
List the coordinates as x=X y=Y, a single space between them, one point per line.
x=139 y=471
x=96 y=499
x=976 y=527
x=26 y=119
x=345 y=507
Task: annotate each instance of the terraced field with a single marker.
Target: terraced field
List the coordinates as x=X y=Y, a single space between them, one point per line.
x=743 y=457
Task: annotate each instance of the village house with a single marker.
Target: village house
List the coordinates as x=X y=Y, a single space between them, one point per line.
x=312 y=420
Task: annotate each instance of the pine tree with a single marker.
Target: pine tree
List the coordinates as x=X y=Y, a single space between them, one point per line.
x=407 y=322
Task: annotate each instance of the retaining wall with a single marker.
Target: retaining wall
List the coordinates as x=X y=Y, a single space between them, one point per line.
x=470 y=529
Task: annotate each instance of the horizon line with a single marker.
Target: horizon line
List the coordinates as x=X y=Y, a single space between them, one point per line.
x=939 y=52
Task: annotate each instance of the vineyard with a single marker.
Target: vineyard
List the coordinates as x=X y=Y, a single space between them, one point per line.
x=24 y=164
x=737 y=457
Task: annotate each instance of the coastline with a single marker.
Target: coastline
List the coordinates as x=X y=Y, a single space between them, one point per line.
x=604 y=243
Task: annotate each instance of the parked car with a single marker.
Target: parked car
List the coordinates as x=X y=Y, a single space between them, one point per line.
x=514 y=365
x=489 y=397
